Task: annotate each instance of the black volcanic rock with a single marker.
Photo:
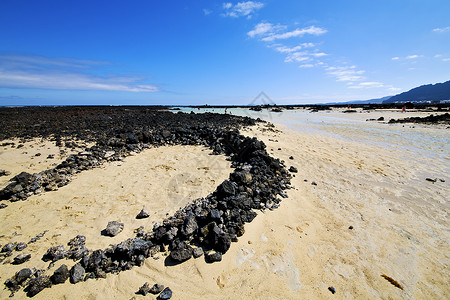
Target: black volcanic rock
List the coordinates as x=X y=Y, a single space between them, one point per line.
x=77 y=273
x=60 y=275
x=143 y=214
x=211 y=223
x=36 y=285
x=113 y=228
x=165 y=294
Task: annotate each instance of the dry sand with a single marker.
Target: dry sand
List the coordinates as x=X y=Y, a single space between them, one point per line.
x=400 y=223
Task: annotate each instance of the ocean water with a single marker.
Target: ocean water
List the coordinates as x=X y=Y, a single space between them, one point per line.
x=427 y=144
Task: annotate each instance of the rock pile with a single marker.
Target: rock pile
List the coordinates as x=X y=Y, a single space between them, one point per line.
x=208 y=225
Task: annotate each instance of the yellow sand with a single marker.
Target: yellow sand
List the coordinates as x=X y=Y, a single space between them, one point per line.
x=400 y=224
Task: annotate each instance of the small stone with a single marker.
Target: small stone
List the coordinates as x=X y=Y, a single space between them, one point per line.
x=350 y=227
x=431 y=179
x=76 y=273
x=9 y=247
x=181 y=255
x=23 y=275
x=21 y=258
x=21 y=246
x=165 y=294
x=3 y=205
x=313 y=183
x=143 y=214
x=156 y=289
x=114 y=228
x=143 y=290
x=197 y=252
x=55 y=253
x=293 y=169
x=291 y=157
x=61 y=275
x=332 y=289
x=213 y=257
x=4 y=173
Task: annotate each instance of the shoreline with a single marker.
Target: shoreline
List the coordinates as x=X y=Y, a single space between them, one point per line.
x=306 y=246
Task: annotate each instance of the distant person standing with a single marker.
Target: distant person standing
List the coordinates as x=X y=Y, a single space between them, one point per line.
x=403 y=109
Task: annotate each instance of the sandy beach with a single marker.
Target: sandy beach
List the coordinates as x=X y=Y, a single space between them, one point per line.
x=360 y=208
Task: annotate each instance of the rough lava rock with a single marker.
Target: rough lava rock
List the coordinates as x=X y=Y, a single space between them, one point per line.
x=113 y=228
x=143 y=214
x=76 y=273
x=165 y=294
x=60 y=275
x=156 y=288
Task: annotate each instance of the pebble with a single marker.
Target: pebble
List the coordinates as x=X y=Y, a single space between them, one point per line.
x=21 y=258
x=156 y=288
x=143 y=214
x=113 y=228
x=165 y=294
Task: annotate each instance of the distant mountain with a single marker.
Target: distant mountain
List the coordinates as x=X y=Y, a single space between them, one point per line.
x=370 y=101
x=424 y=93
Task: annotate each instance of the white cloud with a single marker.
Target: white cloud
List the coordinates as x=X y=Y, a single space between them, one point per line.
x=285 y=49
x=268 y=32
x=207 y=11
x=443 y=29
x=408 y=57
x=261 y=29
x=318 y=54
x=241 y=9
x=446 y=59
x=313 y=30
x=303 y=56
x=347 y=73
x=40 y=72
x=368 y=84
x=297 y=57
x=414 y=56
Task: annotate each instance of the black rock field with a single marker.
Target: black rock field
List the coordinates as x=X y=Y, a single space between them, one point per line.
x=207 y=225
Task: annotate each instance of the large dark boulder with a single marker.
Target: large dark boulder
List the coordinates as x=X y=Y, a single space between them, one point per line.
x=77 y=273
x=60 y=275
x=36 y=285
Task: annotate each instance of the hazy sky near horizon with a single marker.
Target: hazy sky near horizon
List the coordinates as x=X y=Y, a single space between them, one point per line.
x=145 y=52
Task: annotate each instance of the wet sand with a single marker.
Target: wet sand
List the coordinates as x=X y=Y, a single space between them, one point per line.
x=399 y=220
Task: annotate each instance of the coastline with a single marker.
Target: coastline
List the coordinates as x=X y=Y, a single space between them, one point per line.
x=400 y=229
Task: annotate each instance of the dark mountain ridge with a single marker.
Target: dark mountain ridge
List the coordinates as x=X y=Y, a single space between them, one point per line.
x=426 y=93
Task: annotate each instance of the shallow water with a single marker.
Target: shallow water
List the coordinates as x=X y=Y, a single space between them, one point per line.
x=426 y=145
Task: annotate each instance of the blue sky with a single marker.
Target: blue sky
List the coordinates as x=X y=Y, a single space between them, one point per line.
x=218 y=52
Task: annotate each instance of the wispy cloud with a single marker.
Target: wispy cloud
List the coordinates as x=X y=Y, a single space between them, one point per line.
x=22 y=71
x=306 y=66
x=241 y=9
x=346 y=73
x=367 y=84
x=268 y=32
x=442 y=29
x=285 y=49
x=414 y=56
x=262 y=28
x=313 y=30
x=408 y=57
x=207 y=12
